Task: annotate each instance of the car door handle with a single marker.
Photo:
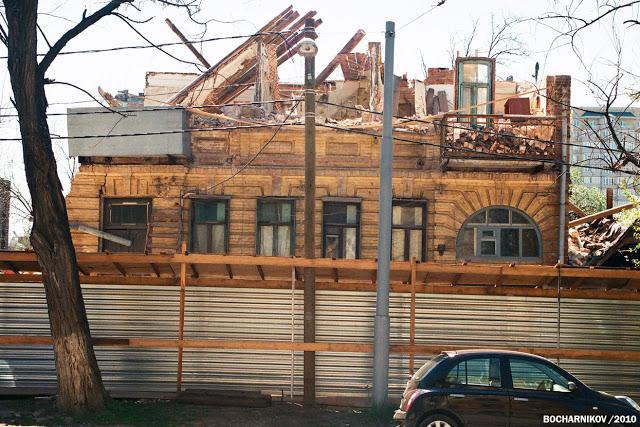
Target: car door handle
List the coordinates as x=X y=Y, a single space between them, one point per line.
x=521 y=399
x=456 y=395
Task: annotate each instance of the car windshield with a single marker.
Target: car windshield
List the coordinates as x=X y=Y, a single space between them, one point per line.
x=427 y=366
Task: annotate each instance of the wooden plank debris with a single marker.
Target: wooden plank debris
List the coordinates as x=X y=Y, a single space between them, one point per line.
x=285 y=50
x=186 y=42
x=109 y=98
x=601 y=214
x=233 y=61
x=351 y=44
x=576 y=209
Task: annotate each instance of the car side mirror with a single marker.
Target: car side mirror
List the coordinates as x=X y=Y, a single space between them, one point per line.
x=572 y=386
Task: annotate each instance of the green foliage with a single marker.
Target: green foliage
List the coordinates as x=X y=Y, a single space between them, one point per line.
x=590 y=200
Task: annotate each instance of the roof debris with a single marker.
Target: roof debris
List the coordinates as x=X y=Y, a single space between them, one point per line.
x=603 y=241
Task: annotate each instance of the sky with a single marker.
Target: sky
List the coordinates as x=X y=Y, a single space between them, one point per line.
x=422 y=31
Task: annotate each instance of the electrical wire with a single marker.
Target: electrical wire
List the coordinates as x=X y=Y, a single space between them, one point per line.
x=280 y=125
x=440 y=3
x=167 y=132
x=483 y=131
x=254 y=157
x=501 y=155
x=112 y=49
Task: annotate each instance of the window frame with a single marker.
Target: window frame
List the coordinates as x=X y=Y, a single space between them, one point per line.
x=407 y=229
x=546 y=368
x=276 y=224
x=465 y=385
x=342 y=226
x=460 y=84
x=192 y=222
x=497 y=229
x=125 y=229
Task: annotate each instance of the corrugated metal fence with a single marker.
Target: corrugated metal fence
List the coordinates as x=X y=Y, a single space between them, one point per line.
x=449 y=321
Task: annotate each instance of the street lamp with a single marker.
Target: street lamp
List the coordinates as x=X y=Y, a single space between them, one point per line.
x=308 y=49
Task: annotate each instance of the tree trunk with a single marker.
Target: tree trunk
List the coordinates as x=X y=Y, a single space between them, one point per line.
x=79 y=387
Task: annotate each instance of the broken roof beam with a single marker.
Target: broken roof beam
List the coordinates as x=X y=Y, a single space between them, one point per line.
x=576 y=209
x=232 y=81
x=240 y=81
x=285 y=50
x=351 y=44
x=187 y=43
x=109 y=98
x=214 y=71
x=601 y=214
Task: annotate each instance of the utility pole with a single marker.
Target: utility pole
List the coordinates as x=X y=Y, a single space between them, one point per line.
x=308 y=49
x=381 y=325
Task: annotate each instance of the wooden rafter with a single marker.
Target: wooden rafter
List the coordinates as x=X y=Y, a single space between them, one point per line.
x=120 y=268
x=194 y=271
x=601 y=214
x=155 y=269
x=341 y=347
x=338 y=274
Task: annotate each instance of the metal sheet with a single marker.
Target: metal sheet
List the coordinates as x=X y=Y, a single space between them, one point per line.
x=262 y=314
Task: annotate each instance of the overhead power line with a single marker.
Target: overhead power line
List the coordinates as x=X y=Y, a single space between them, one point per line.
x=155 y=46
x=476 y=130
x=469 y=150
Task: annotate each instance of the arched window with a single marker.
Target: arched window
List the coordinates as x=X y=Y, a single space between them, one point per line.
x=499 y=233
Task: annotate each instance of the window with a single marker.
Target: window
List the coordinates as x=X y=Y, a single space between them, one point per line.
x=475 y=79
x=126 y=218
x=476 y=372
x=499 y=232
x=341 y=230
x=593 y=124
x=275 y=227
x=576 y=123
x=408 y=230
x=530 y=375
x=607 y=180
x=209 y=226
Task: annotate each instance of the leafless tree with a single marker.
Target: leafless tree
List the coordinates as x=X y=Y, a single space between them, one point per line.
x=79 y=382
x=503 y=41
x=462 y=42
x=610 y=79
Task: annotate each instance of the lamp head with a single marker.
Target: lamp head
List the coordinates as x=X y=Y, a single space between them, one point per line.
x=307 y=48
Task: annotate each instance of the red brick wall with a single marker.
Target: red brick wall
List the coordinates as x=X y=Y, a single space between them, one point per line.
x=439 y=76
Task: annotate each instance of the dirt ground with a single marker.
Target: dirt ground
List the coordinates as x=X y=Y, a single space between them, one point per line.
x=42 y=412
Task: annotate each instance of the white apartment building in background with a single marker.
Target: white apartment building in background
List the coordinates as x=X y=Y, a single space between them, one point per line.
x=590 y=137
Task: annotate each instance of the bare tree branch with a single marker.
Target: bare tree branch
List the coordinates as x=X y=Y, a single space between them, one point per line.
x=85 y=23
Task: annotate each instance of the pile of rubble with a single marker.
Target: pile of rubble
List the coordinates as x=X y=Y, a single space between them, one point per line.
x=591 y=240
x=504 y=139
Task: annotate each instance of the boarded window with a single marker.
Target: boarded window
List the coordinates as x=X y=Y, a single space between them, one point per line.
x=209 y=226
x=341 y=230
x=275 y=227
x=408 y=233
x=499 y=232
x=127 y=218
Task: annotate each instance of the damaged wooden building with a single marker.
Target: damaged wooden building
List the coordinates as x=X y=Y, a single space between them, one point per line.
x=188 y=217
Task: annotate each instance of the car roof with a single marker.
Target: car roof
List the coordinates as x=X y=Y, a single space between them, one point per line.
x=489 y=352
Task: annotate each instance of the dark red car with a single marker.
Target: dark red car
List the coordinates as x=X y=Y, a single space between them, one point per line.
x=505 y=388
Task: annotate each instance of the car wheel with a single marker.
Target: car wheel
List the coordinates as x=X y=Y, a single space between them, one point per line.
x=438 y=420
